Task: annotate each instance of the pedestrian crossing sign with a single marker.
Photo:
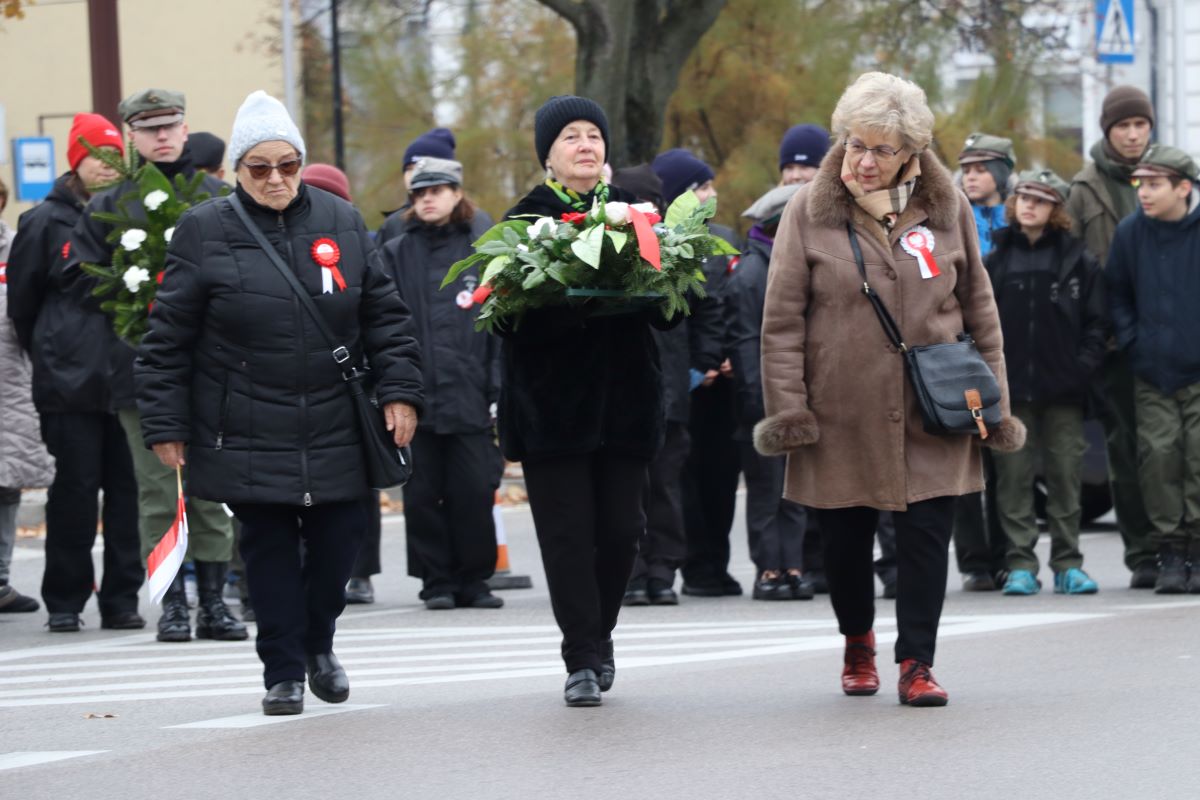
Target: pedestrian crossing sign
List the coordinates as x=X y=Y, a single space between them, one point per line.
x=1114 y=31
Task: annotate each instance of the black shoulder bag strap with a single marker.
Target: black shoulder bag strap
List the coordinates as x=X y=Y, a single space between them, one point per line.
x=340 y=354
x=885 y=319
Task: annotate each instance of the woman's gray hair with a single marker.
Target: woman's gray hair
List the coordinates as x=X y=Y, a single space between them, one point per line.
x=878 y=101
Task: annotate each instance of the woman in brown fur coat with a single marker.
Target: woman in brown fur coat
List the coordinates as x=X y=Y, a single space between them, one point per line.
x=837 y=400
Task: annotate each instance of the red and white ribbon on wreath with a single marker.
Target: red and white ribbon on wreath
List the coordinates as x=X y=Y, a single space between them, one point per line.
x=918 y=243
x=326 y=253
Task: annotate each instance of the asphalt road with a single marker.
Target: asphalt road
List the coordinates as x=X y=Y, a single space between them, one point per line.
x=1051 y=696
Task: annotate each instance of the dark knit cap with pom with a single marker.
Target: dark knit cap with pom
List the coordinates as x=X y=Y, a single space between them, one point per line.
x=560 y=111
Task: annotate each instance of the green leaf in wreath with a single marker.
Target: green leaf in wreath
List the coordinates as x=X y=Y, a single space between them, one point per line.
x=459 y=267
x=587 y=247
x=682 y=208
x=720 y=247
x=495 y=267
x=618 y=239
x=534 y=279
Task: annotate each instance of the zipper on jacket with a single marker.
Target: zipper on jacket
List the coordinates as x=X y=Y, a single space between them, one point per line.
x=1033 y=290
x=224 y=412
x=298 y=313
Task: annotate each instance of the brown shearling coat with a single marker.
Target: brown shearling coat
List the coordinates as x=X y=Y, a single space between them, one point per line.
x=838 y=401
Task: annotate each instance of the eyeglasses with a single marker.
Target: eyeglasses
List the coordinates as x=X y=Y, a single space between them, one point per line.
x=882 y=153
x=286 y=169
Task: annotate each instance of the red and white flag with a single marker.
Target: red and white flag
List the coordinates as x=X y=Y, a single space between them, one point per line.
x=167 y=556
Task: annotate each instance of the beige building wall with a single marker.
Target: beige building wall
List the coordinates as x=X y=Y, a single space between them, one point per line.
x=214 y=51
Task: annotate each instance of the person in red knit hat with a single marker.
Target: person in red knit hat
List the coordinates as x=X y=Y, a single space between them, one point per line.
x=329 y=178
x=70 y=345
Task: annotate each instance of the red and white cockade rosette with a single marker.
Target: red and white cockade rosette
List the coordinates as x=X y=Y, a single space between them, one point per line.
x=326 y=253
x=918 y=243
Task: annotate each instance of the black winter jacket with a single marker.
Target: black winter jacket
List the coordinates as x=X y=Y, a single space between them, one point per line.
x=234 y=366
x=745 y=296
x=460 y=367
x=89 y=246
x=574 y=384
x=1153 y=275
x=1050 y=296
x=79 y=364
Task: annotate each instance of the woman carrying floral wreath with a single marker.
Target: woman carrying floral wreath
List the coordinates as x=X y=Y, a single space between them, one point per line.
x=581 y=407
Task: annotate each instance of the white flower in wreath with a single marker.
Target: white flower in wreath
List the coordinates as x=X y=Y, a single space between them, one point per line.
x=645 y=208
x=168 y=233
x=134 y=277
x=155 y=199
x=616 y=213
x=542 y=225
x=133 y=238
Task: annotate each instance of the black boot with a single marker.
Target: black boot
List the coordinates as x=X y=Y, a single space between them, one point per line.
x=1172 y=570
x=1193 y=581
x=213 y=618
x=175 y=625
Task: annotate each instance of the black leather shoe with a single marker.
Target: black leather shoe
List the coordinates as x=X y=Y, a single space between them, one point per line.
x=978 y=582
x=1144 y=576
x=730 y=587
x=484 y=600
x=774 y=587
x=636 y=593
x=703 y=589
x=608 y=666
x=802 y=588
x=64 y=622
x=214 y=620
x=123 y=621
x=582 y=689
x=285 y=697
x=359 y=591
x=440 y=602
x=326 y=678
x=661 y=593
x=13 y=602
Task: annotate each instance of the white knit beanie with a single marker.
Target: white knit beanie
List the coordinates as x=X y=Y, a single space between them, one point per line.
x=262 y=118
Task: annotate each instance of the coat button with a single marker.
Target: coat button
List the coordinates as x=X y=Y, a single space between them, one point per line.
x=894 y=416
x=890 y=273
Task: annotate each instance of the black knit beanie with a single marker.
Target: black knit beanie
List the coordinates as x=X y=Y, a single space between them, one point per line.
x=1124 y=102
x=560 y=111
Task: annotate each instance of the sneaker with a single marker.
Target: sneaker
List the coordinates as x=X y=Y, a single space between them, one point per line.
x=978 y=582
x=917 y=687
x=1145 y=575
x=1074 y=581
x=13 y=602
x=483 y=600
x=660 y=593
x=1022 y=582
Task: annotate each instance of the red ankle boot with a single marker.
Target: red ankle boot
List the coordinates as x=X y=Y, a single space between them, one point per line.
x=918 y=687
x=859 y=676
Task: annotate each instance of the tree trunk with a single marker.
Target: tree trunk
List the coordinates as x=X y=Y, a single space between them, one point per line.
x=629 y=54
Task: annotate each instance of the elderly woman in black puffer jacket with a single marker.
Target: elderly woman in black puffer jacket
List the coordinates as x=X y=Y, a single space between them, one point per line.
x=234 y=370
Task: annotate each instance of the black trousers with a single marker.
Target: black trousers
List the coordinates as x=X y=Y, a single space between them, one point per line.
x=448 y=512
x=298 y=594
x=979 y=542
x=710 y=483
x=885 y=565
x=774 y=526
x=91 y=454
x=368 y=561
x=922 y=562
x=663 y=546
x=588 y=514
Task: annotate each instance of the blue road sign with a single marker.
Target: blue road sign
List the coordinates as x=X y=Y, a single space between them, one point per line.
x=1114 y=31
x=33 y=167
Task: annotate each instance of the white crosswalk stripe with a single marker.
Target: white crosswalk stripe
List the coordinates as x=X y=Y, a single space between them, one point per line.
x=136 y=668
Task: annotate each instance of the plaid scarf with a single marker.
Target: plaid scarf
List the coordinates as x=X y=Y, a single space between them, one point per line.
x=884 y=205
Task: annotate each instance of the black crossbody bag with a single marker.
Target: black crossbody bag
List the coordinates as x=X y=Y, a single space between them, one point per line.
x=955 y=388
x=387 y=465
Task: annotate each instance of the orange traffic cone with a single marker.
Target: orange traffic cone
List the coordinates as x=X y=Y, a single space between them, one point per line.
x=503 y=577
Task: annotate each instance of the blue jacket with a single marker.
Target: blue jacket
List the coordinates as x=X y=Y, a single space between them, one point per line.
x=988 y=220
x=1153 y=276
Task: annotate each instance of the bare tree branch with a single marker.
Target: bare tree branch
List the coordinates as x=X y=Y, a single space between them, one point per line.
x=573 y=11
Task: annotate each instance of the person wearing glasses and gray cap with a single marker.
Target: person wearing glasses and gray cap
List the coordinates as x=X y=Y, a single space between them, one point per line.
x=448 y=502
x=237 y=381
x=157 y=128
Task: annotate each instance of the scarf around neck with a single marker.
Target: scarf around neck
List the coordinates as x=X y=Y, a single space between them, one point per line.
x=885 y=205
x=573 y=199
x=1117 y=172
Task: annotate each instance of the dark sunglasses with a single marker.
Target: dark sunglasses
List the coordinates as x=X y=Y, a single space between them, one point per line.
x=286 y=168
